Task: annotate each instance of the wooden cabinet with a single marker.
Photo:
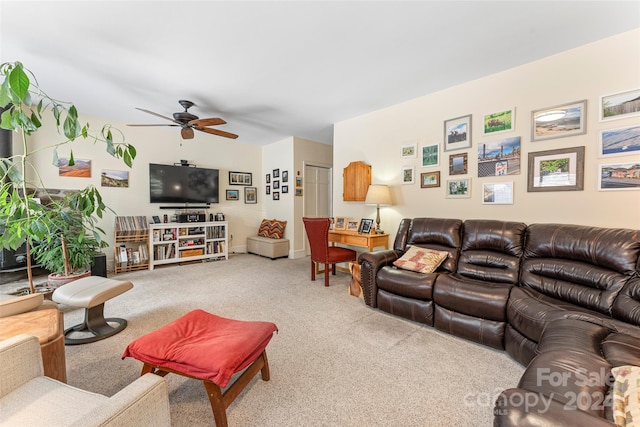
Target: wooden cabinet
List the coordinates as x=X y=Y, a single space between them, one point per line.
x=130 y=248
x=171 y=243
x=356 y=179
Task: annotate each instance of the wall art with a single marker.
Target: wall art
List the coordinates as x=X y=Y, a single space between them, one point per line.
x=501 y=157
x=619 y=176
x=458 y=164
x=430 y=155
x=409 y=151
x=430 y=179
x=80 y=169
x=620 y=142
x=497 y=193
x=503 y=121
x=240 y=178
x=407 y=174
x=556 y=170
x=457 y=133
x=458 y=188
x=250 y=195
x=111 y=178
x=559 y=121
x=620 y=105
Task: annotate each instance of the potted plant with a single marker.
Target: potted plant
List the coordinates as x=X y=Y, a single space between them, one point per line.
x=23 y=217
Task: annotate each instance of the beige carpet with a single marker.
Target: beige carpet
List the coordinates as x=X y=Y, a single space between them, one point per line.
x=334 y=362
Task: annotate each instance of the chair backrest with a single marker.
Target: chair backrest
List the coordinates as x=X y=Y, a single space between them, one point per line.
x=318 y=235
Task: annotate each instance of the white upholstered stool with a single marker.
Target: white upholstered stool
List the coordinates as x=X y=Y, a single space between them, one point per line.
x=91 y=293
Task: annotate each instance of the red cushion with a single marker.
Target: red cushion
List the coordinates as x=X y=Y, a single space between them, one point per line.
x=203 y=345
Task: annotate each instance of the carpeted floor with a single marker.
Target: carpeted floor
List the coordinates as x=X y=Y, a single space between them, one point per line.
x=334 y=362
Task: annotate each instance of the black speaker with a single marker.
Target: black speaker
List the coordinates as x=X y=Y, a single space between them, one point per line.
x=99 y=267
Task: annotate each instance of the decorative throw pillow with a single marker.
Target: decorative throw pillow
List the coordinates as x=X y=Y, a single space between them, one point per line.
x=421 y=260
x=273 y=229
x=626 y=395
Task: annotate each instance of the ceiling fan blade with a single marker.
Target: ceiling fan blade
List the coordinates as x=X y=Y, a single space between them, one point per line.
x=218 y=132
x=187 y=133
x=208 y=122
x=158 y=115
x=151 y=125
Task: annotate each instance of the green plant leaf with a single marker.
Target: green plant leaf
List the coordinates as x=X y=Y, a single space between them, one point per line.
x=19 y=81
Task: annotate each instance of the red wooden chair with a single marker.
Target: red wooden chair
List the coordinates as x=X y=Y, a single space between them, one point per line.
x=321 y=252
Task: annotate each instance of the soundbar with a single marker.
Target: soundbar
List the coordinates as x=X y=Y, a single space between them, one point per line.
x=186 y=207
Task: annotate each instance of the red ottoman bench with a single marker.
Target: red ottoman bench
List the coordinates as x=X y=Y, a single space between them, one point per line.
x=210 y=348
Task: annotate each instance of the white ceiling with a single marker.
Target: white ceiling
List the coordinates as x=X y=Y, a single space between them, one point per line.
x=286 y=68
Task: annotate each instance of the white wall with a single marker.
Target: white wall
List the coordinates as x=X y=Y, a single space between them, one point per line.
x=607 y=66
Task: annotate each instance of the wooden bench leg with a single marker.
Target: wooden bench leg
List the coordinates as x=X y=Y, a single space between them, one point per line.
x=216 y=398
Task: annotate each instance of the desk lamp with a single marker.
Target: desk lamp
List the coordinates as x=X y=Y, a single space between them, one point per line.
x=378 y=195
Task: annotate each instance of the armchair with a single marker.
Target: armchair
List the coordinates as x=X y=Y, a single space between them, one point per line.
x=321 y=253
x=29 y=398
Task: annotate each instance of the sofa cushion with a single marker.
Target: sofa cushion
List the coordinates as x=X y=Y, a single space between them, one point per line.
x=406 y=283
x=440 y=234
x=621 y=349
x=626 y=395
x=475 y=298
x=273 y=228
x=421 y=260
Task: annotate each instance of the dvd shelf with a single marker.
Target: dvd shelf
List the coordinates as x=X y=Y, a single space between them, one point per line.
x=131 y=250
x=182 y=242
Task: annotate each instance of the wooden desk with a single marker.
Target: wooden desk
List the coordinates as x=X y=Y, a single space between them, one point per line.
x=46 y=324
x=352 y=238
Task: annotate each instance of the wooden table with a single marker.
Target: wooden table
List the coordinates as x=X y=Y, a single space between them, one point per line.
x=46 y=324
x=352 y=238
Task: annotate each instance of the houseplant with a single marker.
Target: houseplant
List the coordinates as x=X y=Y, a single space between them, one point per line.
x=22 y=217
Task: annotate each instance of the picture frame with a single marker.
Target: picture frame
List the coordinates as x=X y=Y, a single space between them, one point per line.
x=298 y=191
x=458 y=188
x=156 y=219
x=276 y=185
x=620 y=105
x=276 y=195
x=409 y=151
x=556 y=170
x=430 y=155
x=500 y=157
x=457 y=133
x=80 y=169
x=341 y=223
x=268 y=178
x=430 y=179
x=233 y=195
x=114 y=178
x=619 y=142
x=284 y=189
x=285 y=176
x=407 y=175
x=502 y=121
x=267 y=189
x=365 y=226
x=250 y=195
x=353 y=224
x=298 y=181
x=240 y=178
x=618 y=176
x=497 y=193
x=559 y=121
x=276 y=173
x=458 y=164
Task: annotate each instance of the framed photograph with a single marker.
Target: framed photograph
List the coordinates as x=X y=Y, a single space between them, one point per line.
x=353 y=224
x=240 y=178
x=499 y=157
x=250 y=195
x=276 y=195
x=559 y=121
x=267 y=189
x=430 y=155
x=458 y=164
x=285 y=176
x=298 y=181
x=502 y=121
x=620 y=142
x=619 y=176
x=556 y=170
x=407 y=174
x=80 y=169
x=458 y=188
x=285 y=189
x=409 y=151
x=233 y=195
x=298 y=191
x=430 y=179
x=341 y=223
x=365 y=226
x=457 y=133
x=156 y=219
x=276 y=173
x=268 y=178
x=620 y=105
x=497 y=193
x=276 y=185
x=111 y=178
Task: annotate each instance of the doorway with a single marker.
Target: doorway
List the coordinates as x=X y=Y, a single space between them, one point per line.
x=317 y=193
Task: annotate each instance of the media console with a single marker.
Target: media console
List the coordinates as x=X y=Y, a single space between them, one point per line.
x=182 y=242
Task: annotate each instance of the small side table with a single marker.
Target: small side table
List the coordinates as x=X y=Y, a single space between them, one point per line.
x=47 y=324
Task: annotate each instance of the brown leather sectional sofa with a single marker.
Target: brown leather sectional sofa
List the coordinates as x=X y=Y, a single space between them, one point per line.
x=563 y=300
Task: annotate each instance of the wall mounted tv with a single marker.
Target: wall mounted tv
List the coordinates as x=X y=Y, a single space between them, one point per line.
x=182 y=184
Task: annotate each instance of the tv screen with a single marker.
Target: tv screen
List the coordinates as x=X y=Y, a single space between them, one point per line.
x=182 y=184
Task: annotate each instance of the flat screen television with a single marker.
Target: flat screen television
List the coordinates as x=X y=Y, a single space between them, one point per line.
x=182 y=184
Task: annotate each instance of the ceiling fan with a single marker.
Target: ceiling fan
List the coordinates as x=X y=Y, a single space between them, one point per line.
x=188 y=122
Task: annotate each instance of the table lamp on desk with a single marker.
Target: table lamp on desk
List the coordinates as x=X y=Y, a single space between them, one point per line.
x=378 y=195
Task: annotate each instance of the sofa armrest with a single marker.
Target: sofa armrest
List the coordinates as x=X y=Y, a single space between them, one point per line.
x=20 y=362
x=371 y=263
x=143 y=403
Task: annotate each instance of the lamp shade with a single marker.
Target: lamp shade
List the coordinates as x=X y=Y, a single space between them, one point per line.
x=378 y=195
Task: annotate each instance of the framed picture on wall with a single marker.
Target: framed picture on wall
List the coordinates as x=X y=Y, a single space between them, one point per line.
x=233 y=195
x=251 y=195
x=409 y=151
x=620 y=105
x=240 y=178
x=620 y=142
x=559 y=121
x=407 y=174
x=556 y=170
x=502 y=121
x=458 y=164
x=458 y=188
x=618 y=176
x=457 y=133
x=430 y=155
x=497 y=193
x=430 y=179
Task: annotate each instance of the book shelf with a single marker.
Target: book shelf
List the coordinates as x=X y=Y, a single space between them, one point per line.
x=184 y=242
x=131 y=250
